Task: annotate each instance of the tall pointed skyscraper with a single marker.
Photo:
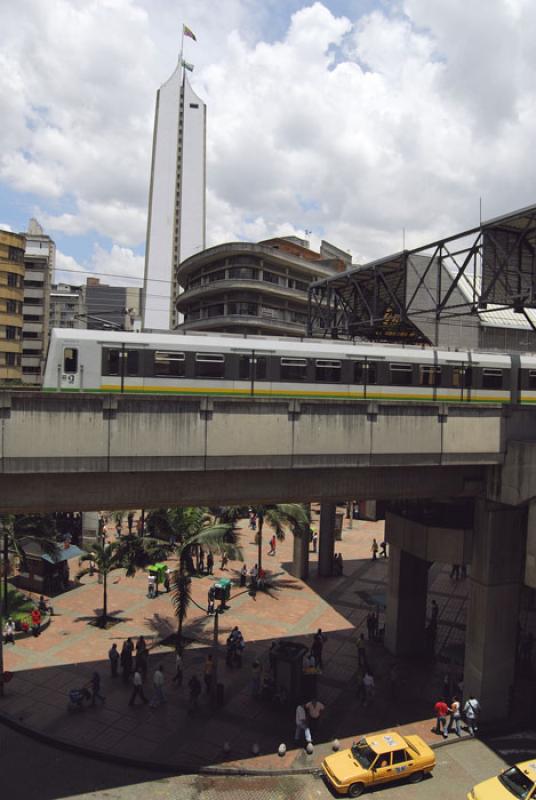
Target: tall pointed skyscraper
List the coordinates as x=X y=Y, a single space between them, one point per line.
x=176 y=219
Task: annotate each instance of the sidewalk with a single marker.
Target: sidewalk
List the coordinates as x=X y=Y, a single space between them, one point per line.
x=65 y=655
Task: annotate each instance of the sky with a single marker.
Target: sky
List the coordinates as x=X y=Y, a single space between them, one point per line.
x=351 y=119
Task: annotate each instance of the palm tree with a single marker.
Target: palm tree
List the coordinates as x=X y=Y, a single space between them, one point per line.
x=190 y=528
x=130 y=554
x=293 y=515
x=17 y=532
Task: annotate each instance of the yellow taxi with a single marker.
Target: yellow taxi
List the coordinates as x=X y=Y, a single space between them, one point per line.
x=517 y=781
x=375 y=759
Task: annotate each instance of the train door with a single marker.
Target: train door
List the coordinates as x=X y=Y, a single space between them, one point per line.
x=462 y=380
x=70 y=371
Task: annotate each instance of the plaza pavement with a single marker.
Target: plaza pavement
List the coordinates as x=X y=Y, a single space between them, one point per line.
x=64 y=656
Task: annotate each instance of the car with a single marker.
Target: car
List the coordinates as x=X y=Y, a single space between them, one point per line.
x=376 y=759
x=517 y=781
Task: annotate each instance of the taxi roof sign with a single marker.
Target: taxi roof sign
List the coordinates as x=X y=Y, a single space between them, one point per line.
x=386 y=742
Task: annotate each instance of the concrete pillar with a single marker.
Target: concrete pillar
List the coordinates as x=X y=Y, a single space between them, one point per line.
x=405 y=617
x=300 y=559
x=90 y=527
x=326 y=539
x=499 y=543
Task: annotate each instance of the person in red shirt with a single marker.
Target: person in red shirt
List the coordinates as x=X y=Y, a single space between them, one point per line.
x=441 y=709
x=36 y=622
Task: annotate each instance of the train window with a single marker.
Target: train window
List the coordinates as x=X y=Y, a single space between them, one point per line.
x=293 y=369
x=430 y=376
x=462 y=377
x=492 y=378
x=169 y=364
x=70 y=359
x=401 y=374
x=244 y=368
x=132 y=362
x=532 y=379
x=209 y=365
x=364 y=372
x=111 y=362
x=328 y=371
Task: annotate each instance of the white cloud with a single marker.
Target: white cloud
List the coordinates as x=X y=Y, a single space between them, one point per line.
x=354 y=128
x=5 y=227
x=118 y=266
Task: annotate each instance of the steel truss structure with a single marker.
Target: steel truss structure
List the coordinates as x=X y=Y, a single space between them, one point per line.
x=491 y=267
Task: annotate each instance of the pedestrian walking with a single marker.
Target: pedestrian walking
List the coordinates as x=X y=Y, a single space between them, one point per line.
x=383 y=548
x=36 y=621
x=224 y=561
x=113 y=656
x=361 y=651
x=167 y=576
x=273 y=542
x=302 y=728
x=455 y=716
x=434 y=614
x=137 y=689
x=243 y=575
x=194 y=686
x=9 y=632
x=441 y=711
x=253 y=521
x=253 y=575
x=201 y=561
x=177 y=678
x=207 y=672
x=126 y=659
x=464 y=571
x=211 y=598
x=210 y=563
x=370 y=626
x=130 y=521
x=314 y=709
x=471 y=712
x=158 y=697
x=455 y=572
x=317 y=647
x=314 y=540
x=95 y=689
x=151 y=586
x=374 y=548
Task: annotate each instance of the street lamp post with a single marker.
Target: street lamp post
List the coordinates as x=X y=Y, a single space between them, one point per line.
x=215 y=642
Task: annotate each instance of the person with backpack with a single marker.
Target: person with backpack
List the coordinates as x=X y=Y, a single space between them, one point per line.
x=471 y=711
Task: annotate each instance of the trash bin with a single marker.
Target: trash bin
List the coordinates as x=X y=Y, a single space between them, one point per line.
x=220 y=694
x=288 y=670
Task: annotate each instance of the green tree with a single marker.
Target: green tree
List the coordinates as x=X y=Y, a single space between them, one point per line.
x=279 y=516
x=190 y=528
x=130 y=553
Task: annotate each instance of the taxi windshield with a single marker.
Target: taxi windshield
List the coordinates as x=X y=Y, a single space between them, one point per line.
x=519 y=784
x=363 y=754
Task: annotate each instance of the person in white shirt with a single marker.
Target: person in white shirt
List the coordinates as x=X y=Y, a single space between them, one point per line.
x=368 y=683
x=301 y=725
x=137 y=690
x=9 y=632
x=471 y=711
x=158 y=697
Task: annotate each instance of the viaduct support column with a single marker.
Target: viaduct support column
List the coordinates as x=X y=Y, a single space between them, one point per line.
x=406 y=603
x=499 y=543
x=300 y=558
x=326 y=543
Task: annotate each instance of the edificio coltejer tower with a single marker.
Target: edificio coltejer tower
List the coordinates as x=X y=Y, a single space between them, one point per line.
x=176 y=219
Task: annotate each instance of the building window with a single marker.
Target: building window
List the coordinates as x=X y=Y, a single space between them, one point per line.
x=217 y=310
x=219 y=275
x=169 y=364
x=12 y=332
x=209 y=365
x=364 y=372
x=13 y=280
x=70 y=359
x=401 y=374
x=11 y=360
x=295 y=284
x=243 y=309
x=271 y=277
x=272 y=313
x=430 y=376
x=492 y=378
x=15 y=254
x=244 y=273
x=328 y=371
x=11 y=306
x=293 y=369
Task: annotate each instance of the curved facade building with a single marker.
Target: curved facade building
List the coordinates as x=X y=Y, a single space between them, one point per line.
x=11 y=305
x=261 y=288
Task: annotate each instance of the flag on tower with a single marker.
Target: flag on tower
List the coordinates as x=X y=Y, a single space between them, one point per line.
x=188 y=32
x=187 y=65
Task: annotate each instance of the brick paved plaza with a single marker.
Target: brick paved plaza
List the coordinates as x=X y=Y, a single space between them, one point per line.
x=66 y=653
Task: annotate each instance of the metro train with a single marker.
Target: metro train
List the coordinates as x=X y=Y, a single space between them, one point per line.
x=226 y=365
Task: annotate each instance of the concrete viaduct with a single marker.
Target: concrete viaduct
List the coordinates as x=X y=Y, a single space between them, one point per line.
x=84 y=451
